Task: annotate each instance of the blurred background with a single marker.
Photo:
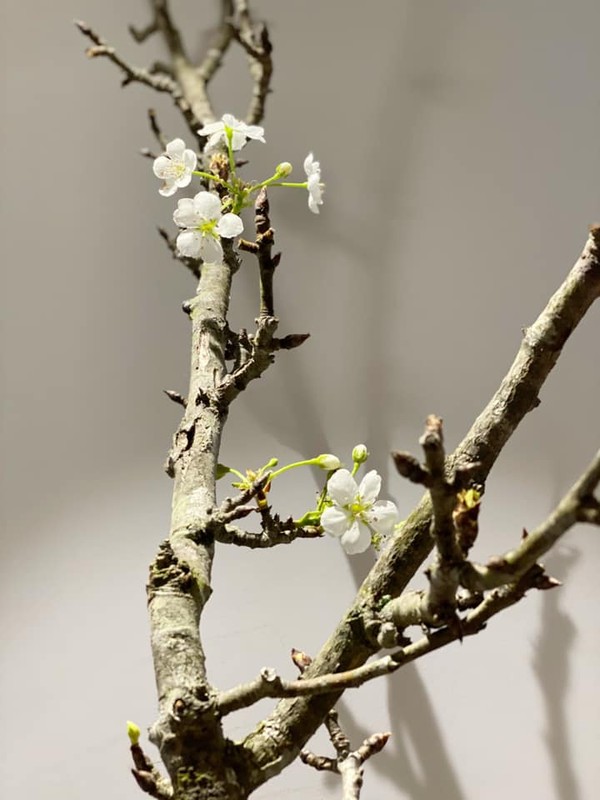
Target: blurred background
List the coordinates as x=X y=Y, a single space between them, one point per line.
x=459 y=145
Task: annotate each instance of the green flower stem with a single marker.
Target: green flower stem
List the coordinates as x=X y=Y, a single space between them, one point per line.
x=293 y=185
x=309 y=462
x=229 y=135
x=209 y=176
x=238 y=474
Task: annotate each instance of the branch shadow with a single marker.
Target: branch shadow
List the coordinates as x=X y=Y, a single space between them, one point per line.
x=551 y=665
x=415 y=760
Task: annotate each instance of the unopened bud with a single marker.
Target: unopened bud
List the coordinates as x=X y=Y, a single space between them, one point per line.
x=328 y=461
x=360 y=454
x=284 y=169
x=133 y=732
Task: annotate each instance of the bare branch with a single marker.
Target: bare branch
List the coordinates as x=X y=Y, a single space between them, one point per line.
x=175 y=397
x=141 y=34
x=155 y=128
x=193 y=87
x=572 y=508
x=254 y=38
x=269 y=684
x=132 y=74
x=270 y=537
x=351 y=768
x=293 y=722
x=261 y=248
x=223 y=38
x=148 y=777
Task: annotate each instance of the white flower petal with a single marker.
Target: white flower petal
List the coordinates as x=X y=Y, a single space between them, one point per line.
x=161 y=166
x=335 y=521
x=314 y=204
x=207 y=205
x=342 y=487
x=190 y=160
x=210 y=250
x=211 y=128
x=175 y=149
x=238 y=140
x=214 y=140
x=168 y=188
x=189 y=244
x=230 y=121
x=383 y=516
x=230 y=225
x=254 y=132
x=370 y=486
x=357 y=539
x=185 y=215
x=309 y=164
x=184 y=180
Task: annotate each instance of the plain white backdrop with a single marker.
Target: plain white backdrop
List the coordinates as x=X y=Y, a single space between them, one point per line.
x=459 y=144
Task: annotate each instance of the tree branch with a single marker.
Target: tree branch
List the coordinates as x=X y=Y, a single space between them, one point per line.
x=272 y=536
x=224 y=36
x=257 y=44
x=269 y=684
x=294 y=721
x=148 y=777
x=132 y=74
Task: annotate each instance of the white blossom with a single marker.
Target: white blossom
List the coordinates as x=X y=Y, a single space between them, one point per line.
x=240 y=132
x=313 y=183
x=203 y=225
x=355 y=516
x=175 y=167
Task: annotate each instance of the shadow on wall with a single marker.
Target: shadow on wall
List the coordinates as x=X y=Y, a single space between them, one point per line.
x=415 y=761
x=551 y=666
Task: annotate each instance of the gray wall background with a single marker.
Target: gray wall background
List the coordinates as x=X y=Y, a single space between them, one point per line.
x=459 y=143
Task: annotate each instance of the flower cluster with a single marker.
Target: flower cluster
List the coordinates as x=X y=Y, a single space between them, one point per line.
x=355 y=515
x=203 y=224
x=209 y=217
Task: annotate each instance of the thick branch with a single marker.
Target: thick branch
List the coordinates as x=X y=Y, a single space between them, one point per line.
x=191 y=82
x=294 y=721
x=187 y=732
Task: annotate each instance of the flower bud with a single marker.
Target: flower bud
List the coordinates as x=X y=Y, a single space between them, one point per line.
x=284 y=169
x=133 y=732
x=328 y=461
x=360 y=454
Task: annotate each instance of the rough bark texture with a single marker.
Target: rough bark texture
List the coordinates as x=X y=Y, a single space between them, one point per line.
x=188 y=733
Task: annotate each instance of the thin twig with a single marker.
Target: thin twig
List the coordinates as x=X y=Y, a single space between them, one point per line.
x=269 y=684
x=148 y=777
x=270 y=537
x=132 y=74
x=254 y=38
x=219 y=46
